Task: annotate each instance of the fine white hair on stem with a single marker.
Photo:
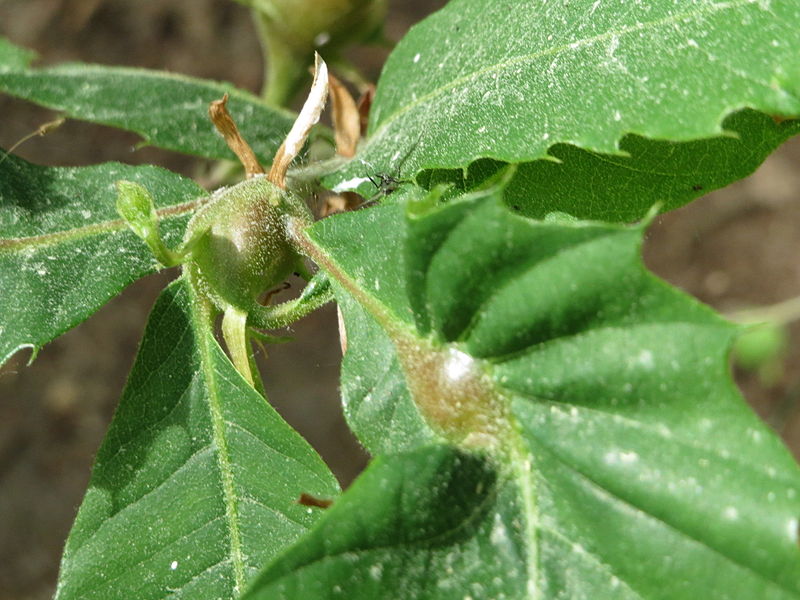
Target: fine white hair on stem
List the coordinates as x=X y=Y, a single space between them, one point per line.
x=308 y=117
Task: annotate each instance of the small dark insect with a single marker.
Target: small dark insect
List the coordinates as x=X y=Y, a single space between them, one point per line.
x=697 y=187
x=386 y=184
x=309 y=500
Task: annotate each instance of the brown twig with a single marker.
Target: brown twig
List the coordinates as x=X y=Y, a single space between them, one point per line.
x=269 y=294
x=43 y=129
x=309 y=500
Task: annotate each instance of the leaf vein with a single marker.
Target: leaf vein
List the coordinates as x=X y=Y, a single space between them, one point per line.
x=497 y=67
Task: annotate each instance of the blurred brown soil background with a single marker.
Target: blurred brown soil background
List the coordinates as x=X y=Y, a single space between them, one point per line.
x=734 y=249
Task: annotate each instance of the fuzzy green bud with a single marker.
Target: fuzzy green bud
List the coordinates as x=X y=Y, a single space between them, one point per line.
x=135 y=206
x=309 y=24
x=762 y=348
x=293 y=29
x=239 y=243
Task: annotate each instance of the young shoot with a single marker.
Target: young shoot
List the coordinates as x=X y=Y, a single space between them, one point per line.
x=240 y=244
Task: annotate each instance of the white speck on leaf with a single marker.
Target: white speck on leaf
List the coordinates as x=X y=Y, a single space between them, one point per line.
x=730 y=513
x=792 y=530
x=645 y=359
x=457 y=365
x=617 y=457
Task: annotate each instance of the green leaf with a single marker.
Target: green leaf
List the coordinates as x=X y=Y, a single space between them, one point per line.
x=375 y=396
x=623 y=188
x=587 y=83
x=197 y=481
x=168 y=110
x=64 y=251
x=635 y=467
x=13 y=57
x=427 y=524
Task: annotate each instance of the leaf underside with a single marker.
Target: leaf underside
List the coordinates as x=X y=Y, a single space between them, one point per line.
x=64 y=251
x=587 y=83
x=196 y=483
x=623 y=188
x=169 y=111
x=623 y=435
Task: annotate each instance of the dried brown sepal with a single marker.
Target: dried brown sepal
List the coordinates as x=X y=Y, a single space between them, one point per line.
x=309 y=500
x=346 y=119
x=364 y=104
x=308 y=117
x=343 y=202
x=218 y=111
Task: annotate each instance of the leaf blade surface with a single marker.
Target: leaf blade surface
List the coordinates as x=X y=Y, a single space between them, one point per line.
x=168 y=110
x=64 y=251
x=406 y=530
x=603 y=394
x=195 y=485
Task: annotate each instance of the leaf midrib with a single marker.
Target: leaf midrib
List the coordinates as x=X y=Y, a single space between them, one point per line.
x=526 y=480
x=513 y=447
x=80 y=69
x=48 y=239
x=218 y=435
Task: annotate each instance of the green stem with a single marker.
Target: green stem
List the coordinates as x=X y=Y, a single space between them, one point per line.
x=234 y=330
x=781 y=313
x=316 y=294
x=314 y=171
x=350 y=73
x=283 y=73
x=164 y=255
